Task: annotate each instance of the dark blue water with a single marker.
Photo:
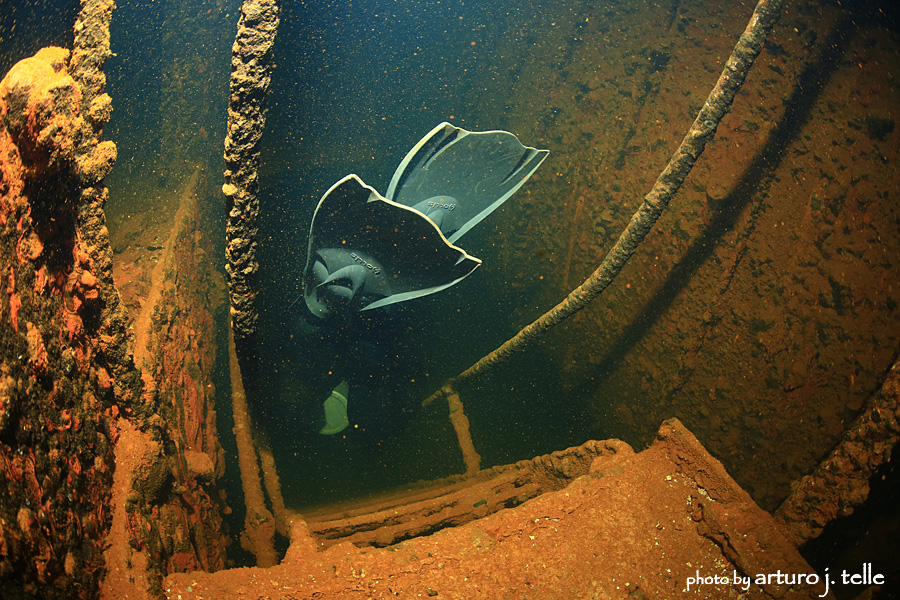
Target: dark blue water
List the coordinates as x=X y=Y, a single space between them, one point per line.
x=355 y=87
x=28 y=26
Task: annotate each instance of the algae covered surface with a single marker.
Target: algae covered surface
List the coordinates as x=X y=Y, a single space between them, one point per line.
x=761 y=310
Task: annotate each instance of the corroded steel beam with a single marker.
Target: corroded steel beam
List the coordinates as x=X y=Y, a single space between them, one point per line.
x=251 y=71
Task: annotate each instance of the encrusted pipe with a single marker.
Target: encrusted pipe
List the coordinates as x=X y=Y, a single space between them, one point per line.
x=283 y=518
x=251 y=70
x=460 y=423
x=259 y=524
x=667 y=185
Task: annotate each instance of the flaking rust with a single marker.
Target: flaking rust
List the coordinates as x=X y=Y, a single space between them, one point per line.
x=72 y=400
x=56 y=462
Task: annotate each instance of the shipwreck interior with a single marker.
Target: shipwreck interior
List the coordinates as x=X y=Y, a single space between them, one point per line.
x=569 y=424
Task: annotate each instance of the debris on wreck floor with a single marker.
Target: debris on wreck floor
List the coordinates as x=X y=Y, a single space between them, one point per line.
x=426 y=507
x=665 y=522
x=111 y=467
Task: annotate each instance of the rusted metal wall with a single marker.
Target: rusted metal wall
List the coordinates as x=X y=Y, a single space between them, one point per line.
x=65 y=372
x=762 y=309
x=109 y=454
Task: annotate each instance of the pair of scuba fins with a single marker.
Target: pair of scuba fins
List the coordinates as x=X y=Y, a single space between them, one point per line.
x=367 y=251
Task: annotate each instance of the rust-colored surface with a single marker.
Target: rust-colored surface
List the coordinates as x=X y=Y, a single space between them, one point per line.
x=636 y=526
x=761 y=311
x=171 y=505
x=428 y=507
x=841 y=482
x=62 y=373
x=107 y=468
x=258 y=536
x=129 y=573
x=762 y=308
